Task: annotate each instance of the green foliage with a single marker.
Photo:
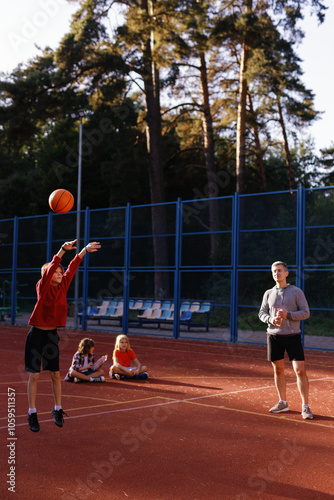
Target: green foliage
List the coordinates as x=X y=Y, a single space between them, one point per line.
x=98 y=72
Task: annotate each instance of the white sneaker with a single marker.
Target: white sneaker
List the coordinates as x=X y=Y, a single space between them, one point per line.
x=279 y=407
x=98 y=379
x=306 y=413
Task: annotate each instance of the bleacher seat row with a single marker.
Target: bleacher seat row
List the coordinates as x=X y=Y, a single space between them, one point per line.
x=151 y=311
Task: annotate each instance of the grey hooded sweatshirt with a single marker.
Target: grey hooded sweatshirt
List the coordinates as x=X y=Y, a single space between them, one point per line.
x=292 y=300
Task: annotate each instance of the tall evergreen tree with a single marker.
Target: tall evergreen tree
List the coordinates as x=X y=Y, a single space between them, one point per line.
x=193 y=44
x=244 y=27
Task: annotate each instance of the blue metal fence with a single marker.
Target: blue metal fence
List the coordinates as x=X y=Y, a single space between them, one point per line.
x=252 y=232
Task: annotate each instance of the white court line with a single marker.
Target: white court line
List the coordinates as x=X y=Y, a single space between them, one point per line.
x=196 y=398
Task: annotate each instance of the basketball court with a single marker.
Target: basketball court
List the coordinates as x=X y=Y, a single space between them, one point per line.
x=198 y=428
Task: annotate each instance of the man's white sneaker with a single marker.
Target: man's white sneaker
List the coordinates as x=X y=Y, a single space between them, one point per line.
x=306 y=413
x=279 y=407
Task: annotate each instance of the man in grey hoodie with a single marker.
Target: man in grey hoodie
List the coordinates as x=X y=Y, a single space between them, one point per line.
x=283 y=307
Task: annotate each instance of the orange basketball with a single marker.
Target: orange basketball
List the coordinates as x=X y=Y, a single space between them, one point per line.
x=61 y=201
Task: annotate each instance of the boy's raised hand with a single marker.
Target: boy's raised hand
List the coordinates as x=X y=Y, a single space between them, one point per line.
x=93 y=246
x=69 y=245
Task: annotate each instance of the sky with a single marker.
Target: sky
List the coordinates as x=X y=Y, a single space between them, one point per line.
x=27 y=23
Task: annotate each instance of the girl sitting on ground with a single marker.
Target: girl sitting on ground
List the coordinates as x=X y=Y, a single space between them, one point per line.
x=82 y=367
x=123 y=355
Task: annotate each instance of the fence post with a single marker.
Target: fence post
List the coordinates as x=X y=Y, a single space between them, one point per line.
x=177 y=277
x=85 y=272
x=14 y=270
x=234 y=271
x=126 y=277
x=300 y=236
x=300 y=244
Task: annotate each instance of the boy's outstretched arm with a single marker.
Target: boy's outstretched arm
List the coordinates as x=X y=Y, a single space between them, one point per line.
x=70 y=245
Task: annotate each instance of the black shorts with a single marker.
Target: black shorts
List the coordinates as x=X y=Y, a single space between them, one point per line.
x=278 y=344
x=41 y=349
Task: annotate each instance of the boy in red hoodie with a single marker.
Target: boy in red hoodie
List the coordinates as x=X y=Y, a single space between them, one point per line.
x=49 y=313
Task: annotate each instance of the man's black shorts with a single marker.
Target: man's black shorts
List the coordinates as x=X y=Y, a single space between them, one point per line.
x=41 y=349
x=278 y=344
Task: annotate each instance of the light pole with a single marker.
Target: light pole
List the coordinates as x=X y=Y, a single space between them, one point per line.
x=76 y=279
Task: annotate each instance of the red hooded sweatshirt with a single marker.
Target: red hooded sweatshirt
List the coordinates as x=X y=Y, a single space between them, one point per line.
x=51 y=305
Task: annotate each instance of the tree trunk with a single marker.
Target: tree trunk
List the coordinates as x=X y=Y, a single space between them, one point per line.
x=153 y=138
x=258 y=150
x=286 y=145
x=209 y=153
x=241 y=119
x=241 y=123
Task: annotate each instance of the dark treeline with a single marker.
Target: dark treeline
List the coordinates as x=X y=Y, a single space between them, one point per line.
x=183 y=98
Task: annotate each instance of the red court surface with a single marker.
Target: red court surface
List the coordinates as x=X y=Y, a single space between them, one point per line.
x=198 y=428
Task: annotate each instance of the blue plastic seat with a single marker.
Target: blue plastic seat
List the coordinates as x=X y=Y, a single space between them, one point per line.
x=147 y=304
x=205 y=308
x=166 y=304
x=110 y=310
x=166 y=314
x=93 y=310
x=186 y=316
